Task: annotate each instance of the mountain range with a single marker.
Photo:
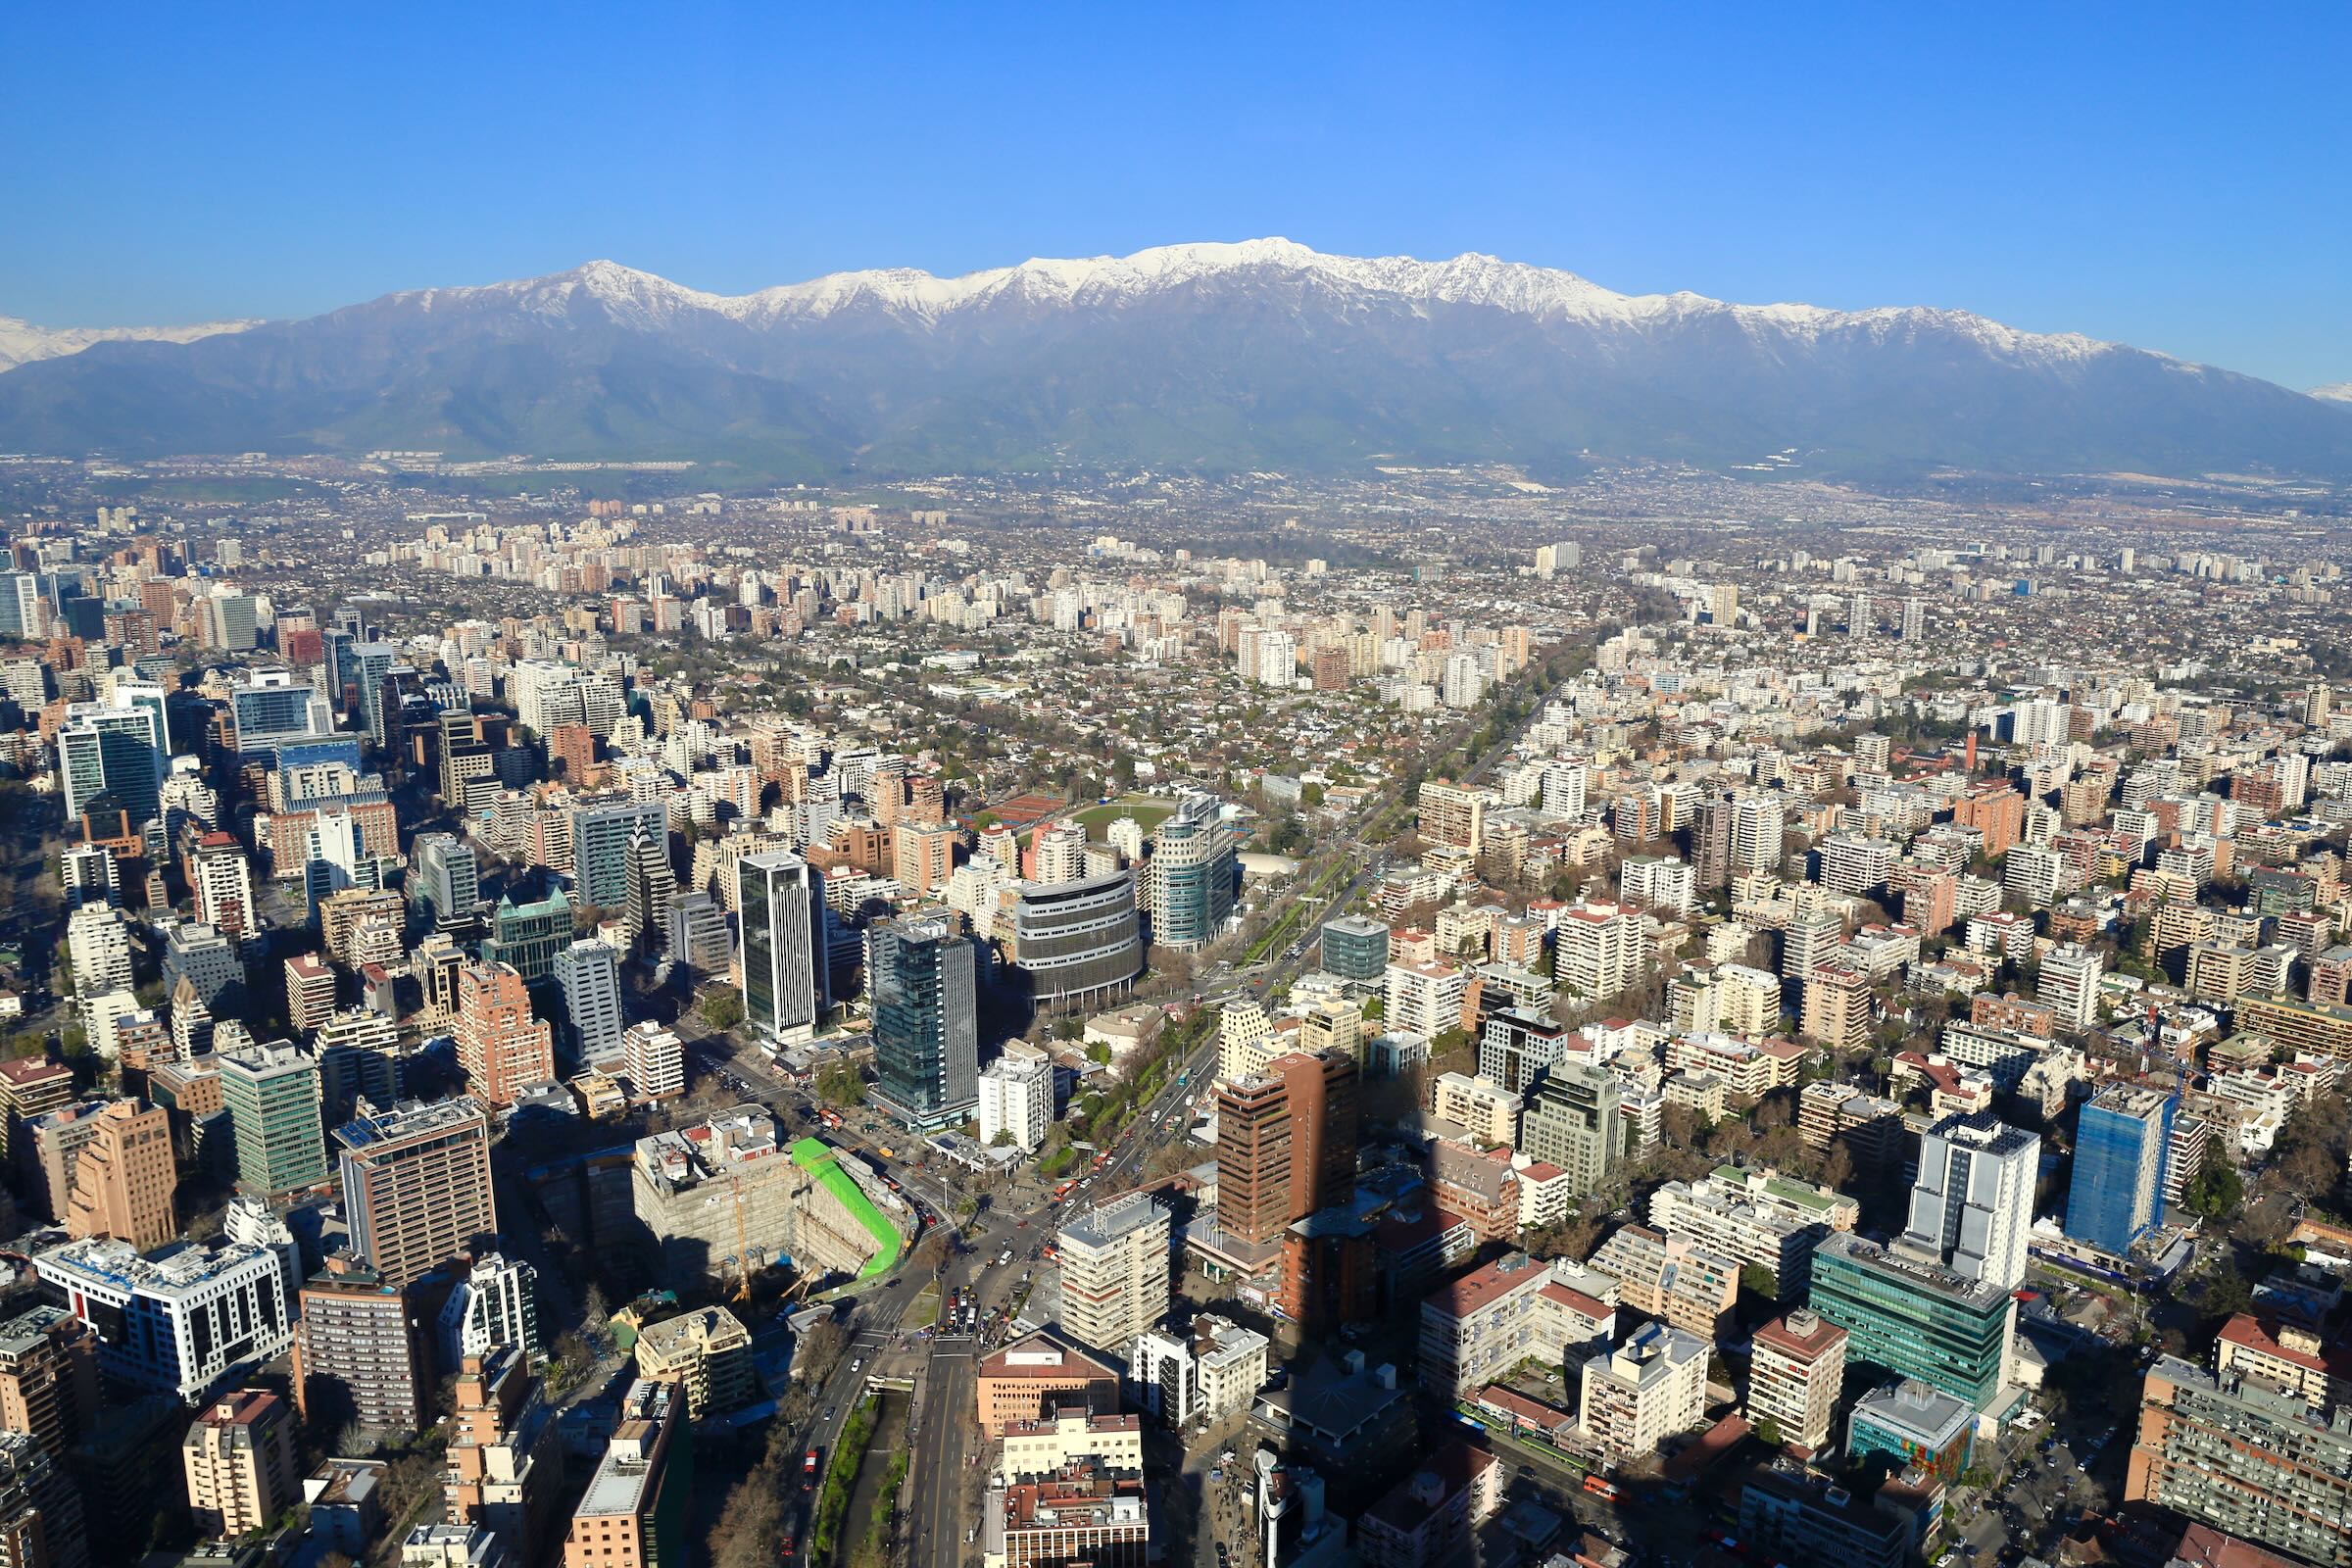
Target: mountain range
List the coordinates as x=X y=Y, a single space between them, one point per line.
x=1263 y=354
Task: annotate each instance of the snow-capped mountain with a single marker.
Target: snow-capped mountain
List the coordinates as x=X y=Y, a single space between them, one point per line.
x=1261 y=354
x=2334 y=392
x=22 y=342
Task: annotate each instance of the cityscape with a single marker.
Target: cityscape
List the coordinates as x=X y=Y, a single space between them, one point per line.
x=977 y=868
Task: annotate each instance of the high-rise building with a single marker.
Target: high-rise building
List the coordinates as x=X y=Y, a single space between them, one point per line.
x=1972 y=1207
x=124 y=1178
x=633 y=1514
x=589 y=973
x=1915 y=619
x=922 y=977
x=417 y=1186
x=501 y=1047
x=309 y=992
x=98 y=949
x=698 y=935
x=2247 y=1453
x=1452 y=813
x=496 y=1303
x=1600 y=948
x=1354 y=948
x=1072 y=939
x=654 y=1061
x=238 y=1460
x=30 y=1086
x=1114 y=1271
x=222 y=880
x=445 y=886
x=502 y=1470
x=1915 y=1320
x=652 y=887
x=786 y=979
x=1794 y=1377
x=526 y=937
x=272 y=1094
x=49 y=1378
x=1571 y=1120
x=111 y=754
x=147 y=1312
x=359 y=1350
x=2070 y=985
x=42 y=1524
x=1192 y=876
x=1286 y=1144
x=1016 y=1096
x=601 y=832
x=2122 y=1144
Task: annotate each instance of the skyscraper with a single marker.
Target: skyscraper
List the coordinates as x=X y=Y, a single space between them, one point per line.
x=652 y=887
x=447 y=887
x=921 y=974
x=114 y=750
x=589 y=971
x=1971 y=1207
x=600 y=833
x=1286 y=1144
x=124 y=1179
x=786 y=987
x=2121 y=1148
x=501 y=1047
x=273 y=1092
x=417 y=1186
x=1192 y=871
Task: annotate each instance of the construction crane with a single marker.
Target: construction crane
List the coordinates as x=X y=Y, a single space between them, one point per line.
x=743 y=1244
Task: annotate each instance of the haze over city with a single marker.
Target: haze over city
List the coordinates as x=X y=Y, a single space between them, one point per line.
x=1534 y=789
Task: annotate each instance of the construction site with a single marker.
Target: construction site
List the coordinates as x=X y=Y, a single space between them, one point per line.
x=728 y=1198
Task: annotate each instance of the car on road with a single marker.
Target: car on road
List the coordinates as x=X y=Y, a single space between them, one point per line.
x=829 y=1409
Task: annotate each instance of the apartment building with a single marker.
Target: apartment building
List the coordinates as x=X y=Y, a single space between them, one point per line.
x=1211 y=1370
x=1114 y=1271
x=1722 y=1217
x=633 y=1514
x=2234 y=1449
x=1599 y=948
x=49 y=1378
x=359 y=1350
x=1794 y=1374
x=1671 y=1277
x=707 y=1352
x=1649 y=1389
x=503 y=1467
x=1477 y=1327
x=239 y=1461
x=1746 y=1069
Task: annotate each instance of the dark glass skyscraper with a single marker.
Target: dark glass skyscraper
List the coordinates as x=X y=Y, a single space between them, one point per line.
x=926 y=1026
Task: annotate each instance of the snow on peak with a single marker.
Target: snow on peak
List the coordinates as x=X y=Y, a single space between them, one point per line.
x=22 y=342
x=2334 y=392
x=1546 y=295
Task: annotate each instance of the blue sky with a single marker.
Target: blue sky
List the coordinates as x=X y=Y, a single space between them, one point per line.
x=2179 y=178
